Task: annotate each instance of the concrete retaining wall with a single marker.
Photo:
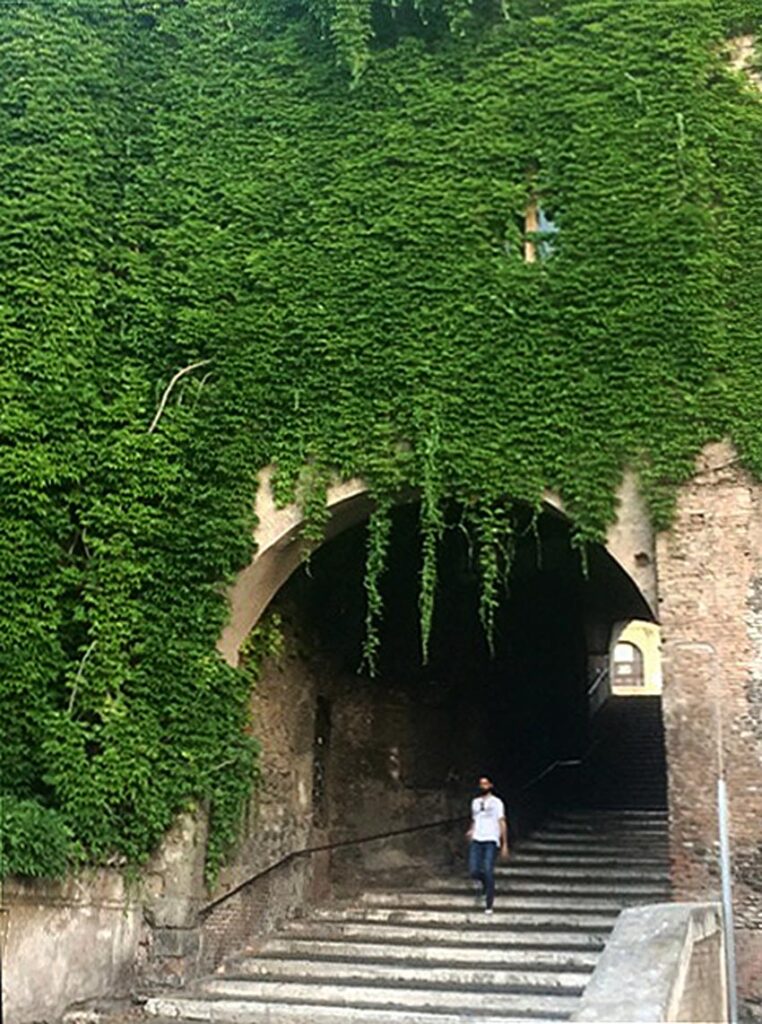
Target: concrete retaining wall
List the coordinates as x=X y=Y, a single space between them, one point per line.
x=662 y=963
x=93 y=935
x=66 y=942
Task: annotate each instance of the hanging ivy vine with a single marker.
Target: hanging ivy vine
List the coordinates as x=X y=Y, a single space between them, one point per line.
x=322 y=202
x=378 y=537
x=493 y=529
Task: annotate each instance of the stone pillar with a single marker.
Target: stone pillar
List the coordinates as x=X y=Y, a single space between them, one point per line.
x=173 y=891
x=710 y=585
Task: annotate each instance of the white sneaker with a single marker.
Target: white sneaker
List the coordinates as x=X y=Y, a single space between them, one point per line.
x=488 y=910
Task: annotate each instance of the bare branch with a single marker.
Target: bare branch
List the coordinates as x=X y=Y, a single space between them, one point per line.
x=78 y=676
x=168 y=390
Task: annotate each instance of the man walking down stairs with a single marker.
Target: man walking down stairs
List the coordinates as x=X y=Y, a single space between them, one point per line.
x=425 y=954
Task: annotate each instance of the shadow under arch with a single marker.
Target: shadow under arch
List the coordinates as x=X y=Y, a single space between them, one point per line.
x=279 y=548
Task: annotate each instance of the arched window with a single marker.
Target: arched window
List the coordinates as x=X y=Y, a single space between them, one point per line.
x=628 y=665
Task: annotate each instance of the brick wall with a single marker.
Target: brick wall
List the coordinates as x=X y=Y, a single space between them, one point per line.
x=710 y=591
x=244 y=919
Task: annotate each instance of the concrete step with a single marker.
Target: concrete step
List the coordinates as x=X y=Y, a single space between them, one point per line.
x=384 y=996
x=585 y=814
x=503 y=918
x=654 y=789
x=652 y=824
x=527 y=957
x=573 y=880
x=652 y=777
x=607 y=840
x=389 y=972
x=630 y=853
x=529 y=859
x=644 y=758
x=467 y=938
x=609 y=829
x=614 y=874
x=658 y=802
x=630 y=816
x=183 y=1010
x=636 y=789
x=508 y=899
x=608 y=795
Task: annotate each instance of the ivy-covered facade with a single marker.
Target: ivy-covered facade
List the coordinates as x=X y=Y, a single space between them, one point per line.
x=320 y=206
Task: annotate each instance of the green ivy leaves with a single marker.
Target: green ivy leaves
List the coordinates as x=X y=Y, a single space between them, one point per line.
x=189 y=184
x=34 y=840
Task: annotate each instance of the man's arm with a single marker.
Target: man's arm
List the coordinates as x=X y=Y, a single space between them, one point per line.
x=503 y=837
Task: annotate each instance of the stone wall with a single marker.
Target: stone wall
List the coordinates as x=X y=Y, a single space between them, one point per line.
x=343 y=759
x=66 y=942
x=279 y=816
x=393 y=765
x=97 y=934
x=384 y=760
x=710 y=585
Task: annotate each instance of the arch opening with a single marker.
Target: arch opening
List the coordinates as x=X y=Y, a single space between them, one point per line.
x=345 y=756
x=280 y=549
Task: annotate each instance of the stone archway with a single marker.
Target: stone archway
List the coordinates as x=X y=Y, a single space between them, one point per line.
x=399 y=749
x=395 y=754
x=279 y=549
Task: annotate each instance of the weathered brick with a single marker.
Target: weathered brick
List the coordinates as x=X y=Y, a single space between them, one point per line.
x=710 y=587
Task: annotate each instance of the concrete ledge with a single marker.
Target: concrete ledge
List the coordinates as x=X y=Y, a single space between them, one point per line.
x=664 y=962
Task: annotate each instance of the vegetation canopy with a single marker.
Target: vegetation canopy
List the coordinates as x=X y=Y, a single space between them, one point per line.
x=319 y=206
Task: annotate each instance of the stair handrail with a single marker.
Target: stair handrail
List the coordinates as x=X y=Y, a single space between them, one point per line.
x=308 y=851
x=598 y=678
x=566 y=763
x=592 y=691
x=571 y=762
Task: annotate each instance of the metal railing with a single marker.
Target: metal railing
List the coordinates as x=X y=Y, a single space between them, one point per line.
x=309 y=851
x=572 y=762
x=597 y=692
x=528 y=807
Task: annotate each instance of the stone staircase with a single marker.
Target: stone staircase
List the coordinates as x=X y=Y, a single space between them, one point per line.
x=628 y=767
x=426 y=953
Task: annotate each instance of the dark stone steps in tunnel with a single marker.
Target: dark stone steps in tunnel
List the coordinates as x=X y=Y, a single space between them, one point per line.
x=627 y=766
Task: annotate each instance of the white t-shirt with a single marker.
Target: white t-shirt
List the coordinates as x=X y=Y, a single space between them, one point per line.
x=486 y=812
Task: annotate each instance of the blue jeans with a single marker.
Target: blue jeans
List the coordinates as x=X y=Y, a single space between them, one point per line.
x=481 y=866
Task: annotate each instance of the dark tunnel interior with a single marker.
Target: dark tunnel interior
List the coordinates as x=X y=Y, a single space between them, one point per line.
x=510 y=714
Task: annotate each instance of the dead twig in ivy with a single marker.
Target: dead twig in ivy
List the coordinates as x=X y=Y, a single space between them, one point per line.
x=78 y=676
x=168 y=390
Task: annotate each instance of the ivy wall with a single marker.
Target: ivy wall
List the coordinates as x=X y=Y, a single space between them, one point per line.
x=322 y=204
